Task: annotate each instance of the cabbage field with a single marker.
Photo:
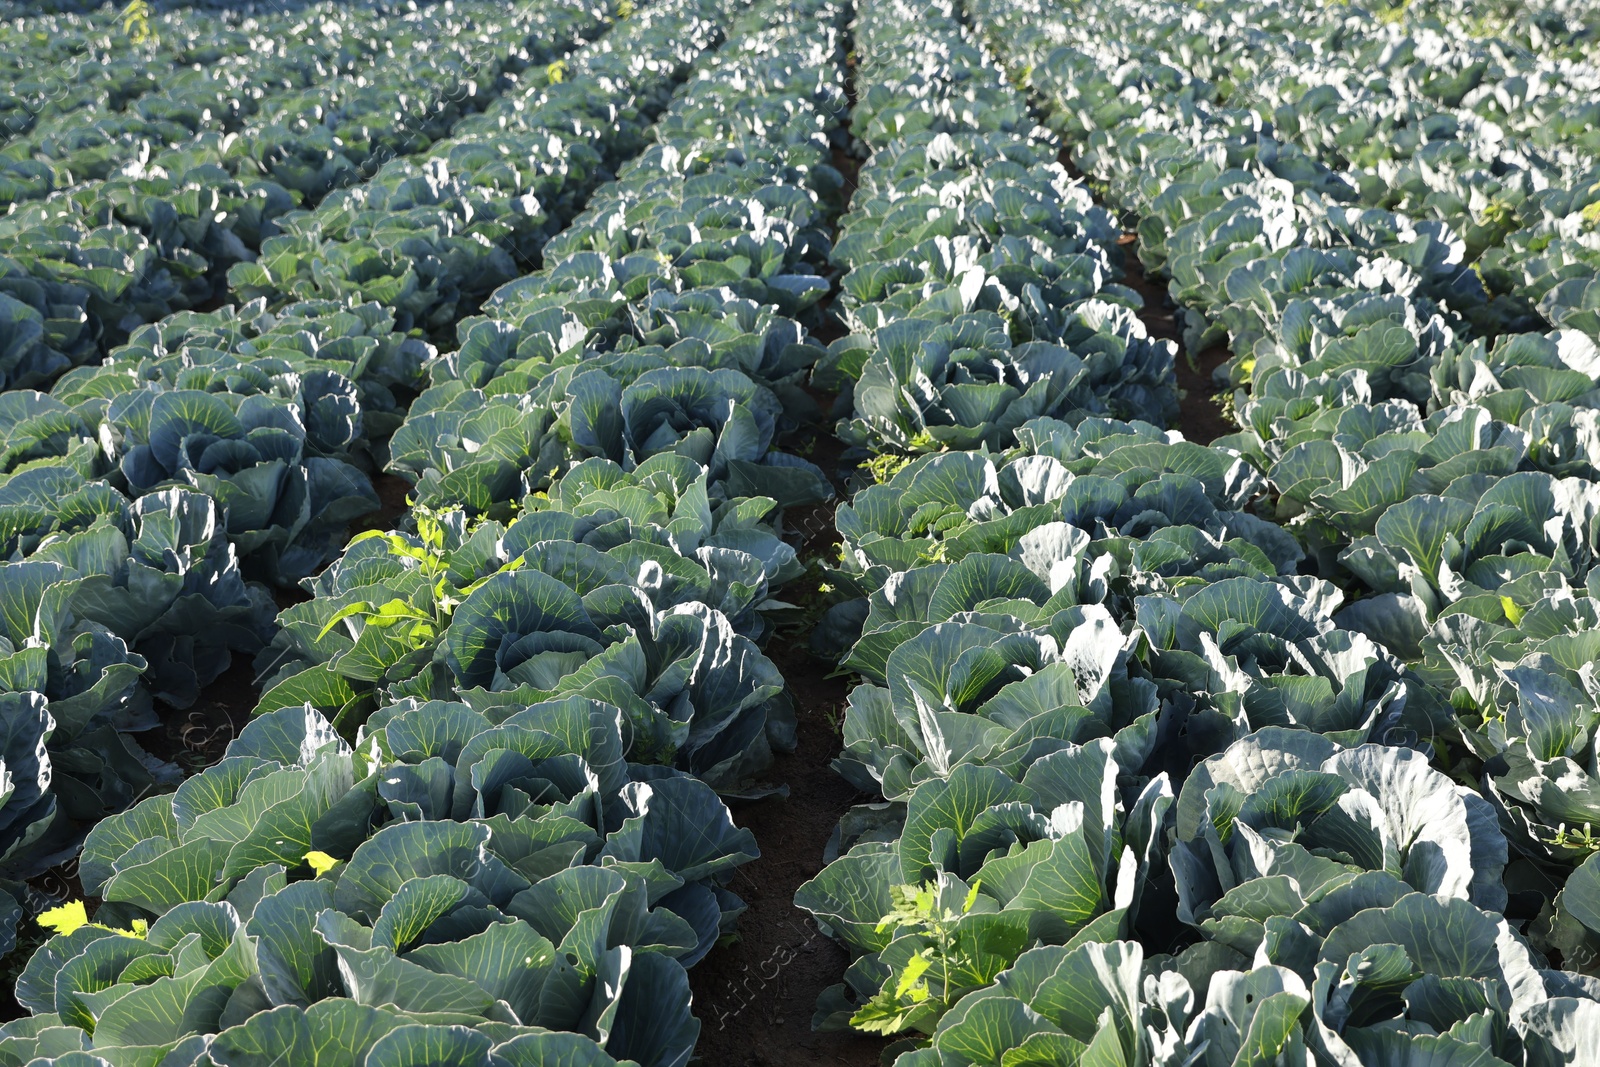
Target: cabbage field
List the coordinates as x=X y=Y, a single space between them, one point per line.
x=955 y=533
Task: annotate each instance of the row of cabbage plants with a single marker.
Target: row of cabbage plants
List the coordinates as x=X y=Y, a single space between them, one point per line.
x=610 y=427
x=131 y=494
x=1149 y=794
x=1457 y=428
x=982 y=283
x=1559 y=27
x=284 y=407
x=520 y=853
x=1382 y=134
x=58 y=64
x=1496 y=141
x=1418 y=115
x=155 y=230
x=431 y=236
x=87 y=102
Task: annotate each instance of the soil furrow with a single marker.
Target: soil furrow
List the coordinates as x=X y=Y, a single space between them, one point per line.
x=754 y=995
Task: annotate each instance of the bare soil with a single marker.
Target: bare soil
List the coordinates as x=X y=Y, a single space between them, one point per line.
x=194 y=738
x=393 y=492
x=754 y=997
x=1200 y=414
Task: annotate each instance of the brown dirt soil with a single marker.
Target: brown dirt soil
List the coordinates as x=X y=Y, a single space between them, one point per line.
x=392 y=493
x=754 y=998
x=195 y=738
x=1200 y=416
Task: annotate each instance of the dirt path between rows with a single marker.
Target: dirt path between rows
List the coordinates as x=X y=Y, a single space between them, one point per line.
x=1200 y=415
x=754 y=997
